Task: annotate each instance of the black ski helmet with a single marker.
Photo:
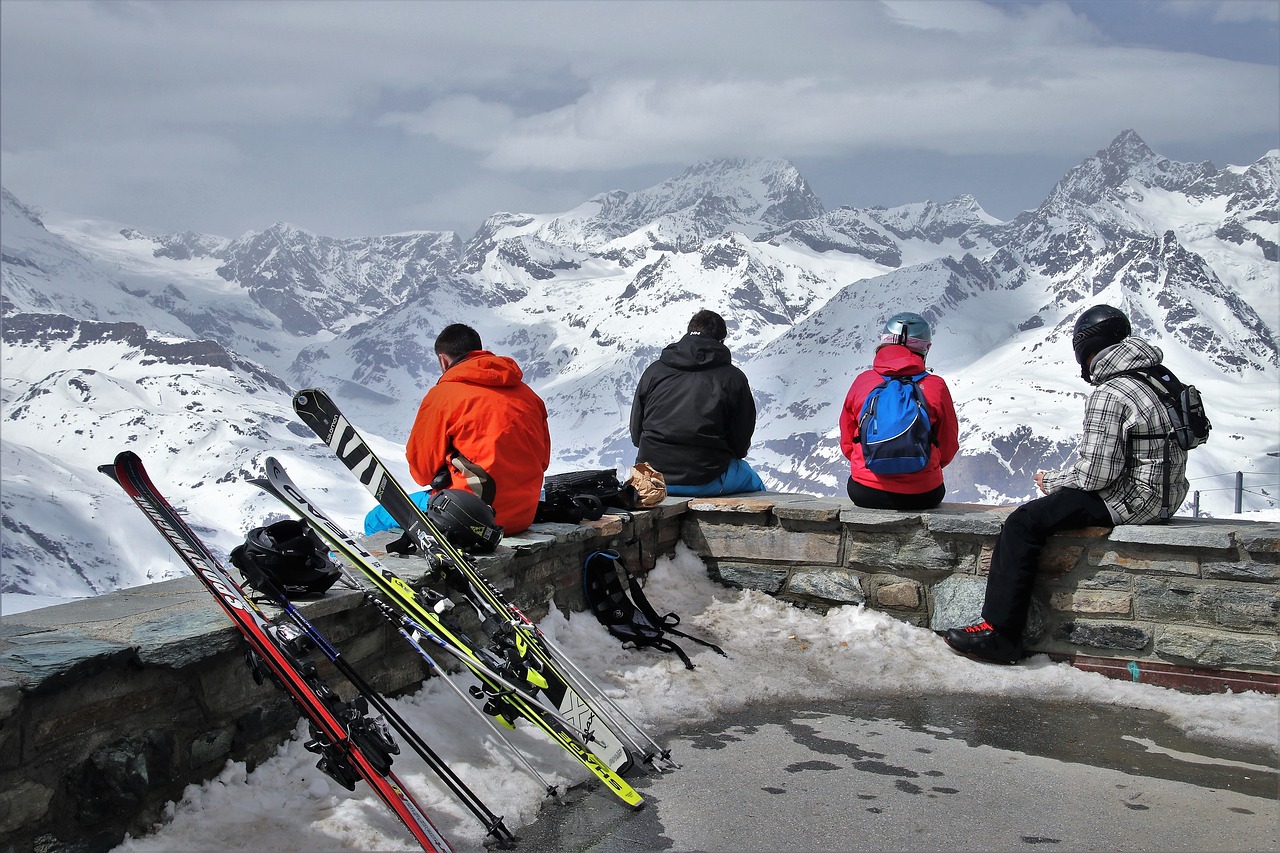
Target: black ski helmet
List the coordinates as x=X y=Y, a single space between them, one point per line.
x=1096 y=329
x=464 y=519
x=908 y=329
x=287 y=555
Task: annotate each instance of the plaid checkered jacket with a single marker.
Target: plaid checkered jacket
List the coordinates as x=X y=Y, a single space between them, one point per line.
x=1127 y=472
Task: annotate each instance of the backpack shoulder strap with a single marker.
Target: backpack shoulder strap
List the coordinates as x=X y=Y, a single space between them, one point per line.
x=668 y=622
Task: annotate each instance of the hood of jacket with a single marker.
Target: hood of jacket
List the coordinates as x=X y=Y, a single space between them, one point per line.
x=484 y=368
x=897 y=360
x=695 y=352
x=1129 y=354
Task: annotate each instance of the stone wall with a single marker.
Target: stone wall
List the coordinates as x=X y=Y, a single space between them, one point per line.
x=110 y=706
x=1193 y=604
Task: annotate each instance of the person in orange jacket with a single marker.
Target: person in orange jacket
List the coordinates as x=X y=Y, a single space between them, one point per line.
x=481 y=428
x=901 y=351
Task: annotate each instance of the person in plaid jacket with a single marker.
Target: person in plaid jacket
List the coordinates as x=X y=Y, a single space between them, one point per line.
x=1118 y=478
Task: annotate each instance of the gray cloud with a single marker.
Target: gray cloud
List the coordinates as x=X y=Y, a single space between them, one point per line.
x=370 y=116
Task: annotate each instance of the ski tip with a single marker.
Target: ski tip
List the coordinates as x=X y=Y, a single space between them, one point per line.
x=303 y=398
x=109 y=469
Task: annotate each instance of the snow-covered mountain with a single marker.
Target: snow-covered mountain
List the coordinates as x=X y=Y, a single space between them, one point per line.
x=185 y=346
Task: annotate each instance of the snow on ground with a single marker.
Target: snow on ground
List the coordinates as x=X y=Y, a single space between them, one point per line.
x=775 y=652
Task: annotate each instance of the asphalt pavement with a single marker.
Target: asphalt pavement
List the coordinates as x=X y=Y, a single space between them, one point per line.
x=932 y=773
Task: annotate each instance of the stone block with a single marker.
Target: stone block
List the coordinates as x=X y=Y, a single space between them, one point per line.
x=1058 y=557
x=41 y=658
x=878 y=519
x=957 y=601
x=747 y=576
x=1147 y=562
x=1260 y=539
x=1166 y=600
x=983 y=564
x=815 y=510
x=741 y=542
x=102 y=702
x=23 y=804
x=1092 y=601
x=180 y=639
x=1107 y=580
x=1180 y=534
x=1217 y=649
x=1118 y=636
x=828 y=585
x=748 y=505
x=207 y=747
x=969 y=523
x=1236 y=607
x=1245 y=570
x=905 y=552
x=1245 y=608
x=905 y=594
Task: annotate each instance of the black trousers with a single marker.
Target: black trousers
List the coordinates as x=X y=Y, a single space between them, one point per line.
x=869 y=498
x=1016 y=559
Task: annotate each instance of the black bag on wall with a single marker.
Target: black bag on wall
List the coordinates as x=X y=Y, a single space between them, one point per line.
x=582 y=496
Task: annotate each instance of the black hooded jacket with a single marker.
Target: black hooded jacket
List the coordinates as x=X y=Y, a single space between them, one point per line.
x=693 y=412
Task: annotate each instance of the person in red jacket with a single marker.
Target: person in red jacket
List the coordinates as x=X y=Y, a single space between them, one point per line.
x=481 y=428
x=905 y=341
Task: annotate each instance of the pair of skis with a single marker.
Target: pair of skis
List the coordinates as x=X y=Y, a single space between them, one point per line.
x=551 y=691
x=351 y=744
x=521 y=673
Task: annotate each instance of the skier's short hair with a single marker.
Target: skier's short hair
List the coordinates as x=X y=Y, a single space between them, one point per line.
x=457 y=340
x=708 y=323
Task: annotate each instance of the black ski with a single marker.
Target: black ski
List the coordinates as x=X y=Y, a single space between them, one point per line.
x=351 y=744
x=549 y=670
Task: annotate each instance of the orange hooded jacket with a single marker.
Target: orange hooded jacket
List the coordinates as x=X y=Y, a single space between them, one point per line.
x=481 y=409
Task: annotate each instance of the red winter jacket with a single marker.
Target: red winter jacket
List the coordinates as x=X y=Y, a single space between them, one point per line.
x=897 y=360
x=480 y=408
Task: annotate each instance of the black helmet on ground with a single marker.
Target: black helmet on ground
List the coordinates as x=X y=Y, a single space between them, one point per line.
x=1096 y=329
x=287 y=555
x=464 y=519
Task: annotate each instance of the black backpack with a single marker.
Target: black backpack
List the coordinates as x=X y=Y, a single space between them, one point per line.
x=1186 y=412
x=630 y=618
x=582 y=496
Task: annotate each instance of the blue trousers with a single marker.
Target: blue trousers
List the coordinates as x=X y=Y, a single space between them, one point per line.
x=379 y=519
x=738 y=477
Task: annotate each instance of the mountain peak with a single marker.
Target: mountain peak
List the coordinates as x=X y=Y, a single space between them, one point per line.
x=10 y=201
x=1128 y=148
x=1127 y=158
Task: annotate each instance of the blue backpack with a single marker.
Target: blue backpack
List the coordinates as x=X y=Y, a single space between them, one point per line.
x=894 y=428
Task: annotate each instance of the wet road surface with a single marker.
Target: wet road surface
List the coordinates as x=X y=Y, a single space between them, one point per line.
x=932 y=773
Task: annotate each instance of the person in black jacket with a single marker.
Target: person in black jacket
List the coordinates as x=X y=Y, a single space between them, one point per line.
x=693 y=415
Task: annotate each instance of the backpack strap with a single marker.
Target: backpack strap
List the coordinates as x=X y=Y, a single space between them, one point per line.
x=1151 y=377
x=915 y=387
x=630 y=621
x=668 y=622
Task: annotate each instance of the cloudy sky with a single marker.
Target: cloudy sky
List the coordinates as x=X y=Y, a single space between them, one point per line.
x=368 y=117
